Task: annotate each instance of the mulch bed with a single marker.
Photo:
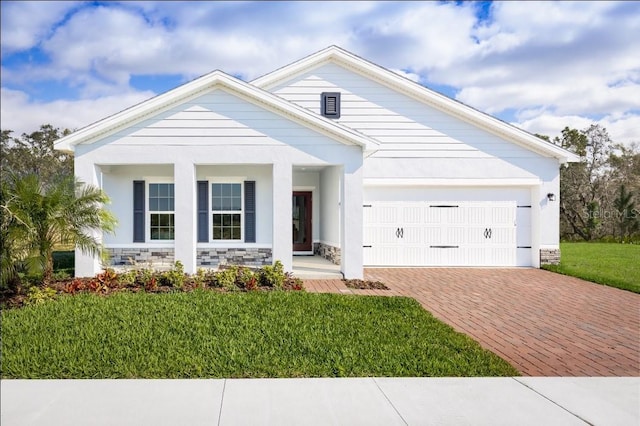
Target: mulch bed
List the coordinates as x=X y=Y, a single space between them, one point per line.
x=365 y=285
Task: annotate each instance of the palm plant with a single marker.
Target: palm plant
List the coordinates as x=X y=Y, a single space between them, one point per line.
x=12 y=240
x=64 y=211
x=627 y=220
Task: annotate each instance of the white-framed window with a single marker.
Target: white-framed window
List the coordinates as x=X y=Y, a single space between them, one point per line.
x=161 y=211
x=227 y=212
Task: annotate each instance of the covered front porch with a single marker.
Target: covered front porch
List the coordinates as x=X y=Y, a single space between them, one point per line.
x=245 y=214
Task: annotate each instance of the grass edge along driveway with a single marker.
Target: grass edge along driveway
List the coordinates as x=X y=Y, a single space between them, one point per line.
x=209 y=334
x=611 y=264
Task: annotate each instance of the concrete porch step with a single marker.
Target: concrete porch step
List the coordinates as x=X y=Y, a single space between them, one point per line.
x=315 y=267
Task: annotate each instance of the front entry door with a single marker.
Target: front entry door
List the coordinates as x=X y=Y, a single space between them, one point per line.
x=302 y=239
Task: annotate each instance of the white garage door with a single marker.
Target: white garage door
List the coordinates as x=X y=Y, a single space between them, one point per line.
x=448 y=233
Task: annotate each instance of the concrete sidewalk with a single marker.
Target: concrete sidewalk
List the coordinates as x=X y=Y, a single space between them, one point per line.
x=356 y=401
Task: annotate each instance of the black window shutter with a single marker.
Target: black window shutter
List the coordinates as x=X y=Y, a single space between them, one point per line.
x=203 y=211
x=330 y=104
x=138 y=211
x=249 y=211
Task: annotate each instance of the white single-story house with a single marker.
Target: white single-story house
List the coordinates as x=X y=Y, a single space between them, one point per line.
x=332 y=155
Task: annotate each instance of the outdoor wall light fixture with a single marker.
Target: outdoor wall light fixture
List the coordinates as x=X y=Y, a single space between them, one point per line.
x=551 y=196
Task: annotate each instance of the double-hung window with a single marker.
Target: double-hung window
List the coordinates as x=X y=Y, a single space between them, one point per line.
x=161 y=211
x=227 y=211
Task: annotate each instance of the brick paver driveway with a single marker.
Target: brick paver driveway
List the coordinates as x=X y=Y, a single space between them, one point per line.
x=543 y=323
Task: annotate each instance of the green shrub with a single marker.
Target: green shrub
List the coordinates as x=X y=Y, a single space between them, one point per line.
x=273 y=276
x=29 y=280
x=146 y=278
x=39 y=295
x=174 y=277
x=211 y=278
x=199 y=278
x=247 y=279
x=128 y=278
x=227 y=278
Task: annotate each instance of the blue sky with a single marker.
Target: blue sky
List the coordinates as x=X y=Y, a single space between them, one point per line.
x=539 y=65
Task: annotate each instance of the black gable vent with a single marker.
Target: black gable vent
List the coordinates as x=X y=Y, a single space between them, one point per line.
x=330 y=104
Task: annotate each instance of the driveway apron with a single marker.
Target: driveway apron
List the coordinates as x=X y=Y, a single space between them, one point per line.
x=544 y=324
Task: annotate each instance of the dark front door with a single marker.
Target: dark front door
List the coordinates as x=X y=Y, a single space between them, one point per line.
x=302 y=240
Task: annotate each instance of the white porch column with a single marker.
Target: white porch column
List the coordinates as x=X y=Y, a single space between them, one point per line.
x=351 y=222
x=184 y=174
x=282 y=215
x=87 y=265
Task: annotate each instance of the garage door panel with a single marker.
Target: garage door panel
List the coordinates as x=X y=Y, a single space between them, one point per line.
x=411 y=214
x=412 y=235
x=386 y=215
x=475 y=215
x=443 y=233
x=382 y=256
x=454 y=235
x=432 y=215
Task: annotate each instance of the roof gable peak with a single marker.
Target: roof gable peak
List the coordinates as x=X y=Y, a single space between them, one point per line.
x=410 y=88
x=214 y=80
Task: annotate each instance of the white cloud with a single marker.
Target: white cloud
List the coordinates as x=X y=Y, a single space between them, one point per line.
x=624 y=129
x=548 y=64
x=20 y=114
x=24 y=24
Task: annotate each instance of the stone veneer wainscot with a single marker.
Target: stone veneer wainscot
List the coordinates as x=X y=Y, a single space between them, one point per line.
x=139 y=256
x=212 y=257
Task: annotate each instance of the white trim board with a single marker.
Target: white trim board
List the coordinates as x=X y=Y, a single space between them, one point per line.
x=451 y=182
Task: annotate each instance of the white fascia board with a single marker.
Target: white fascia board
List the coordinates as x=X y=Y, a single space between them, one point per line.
x=217 y=79
x=420 y=93
x=273 y=78
x=451 y=182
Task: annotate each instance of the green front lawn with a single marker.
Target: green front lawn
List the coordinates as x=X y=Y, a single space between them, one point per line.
x=612 y=264
x=210 y=334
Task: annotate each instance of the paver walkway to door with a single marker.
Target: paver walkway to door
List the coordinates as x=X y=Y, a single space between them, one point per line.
x=544 y=324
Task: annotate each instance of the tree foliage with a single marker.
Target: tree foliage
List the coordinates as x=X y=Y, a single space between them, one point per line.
x=34 y=153
x=597 y=193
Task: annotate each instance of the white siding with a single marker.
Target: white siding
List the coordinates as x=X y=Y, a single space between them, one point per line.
x=218 y=118
x=405 y=126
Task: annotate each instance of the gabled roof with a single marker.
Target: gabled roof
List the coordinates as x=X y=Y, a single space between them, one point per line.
x=215 y=80
x=334 y=54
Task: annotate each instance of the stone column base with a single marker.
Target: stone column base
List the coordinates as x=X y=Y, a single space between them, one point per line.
x=330 y=253
x=549 y=256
